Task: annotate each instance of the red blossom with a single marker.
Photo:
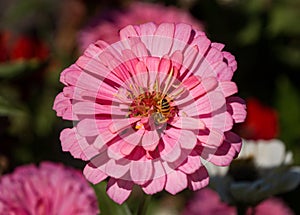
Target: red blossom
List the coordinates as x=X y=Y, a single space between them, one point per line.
x=3 y=46
x=261 y=121
x=26 y=47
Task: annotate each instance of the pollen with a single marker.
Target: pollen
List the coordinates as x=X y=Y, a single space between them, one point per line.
x=152 y=104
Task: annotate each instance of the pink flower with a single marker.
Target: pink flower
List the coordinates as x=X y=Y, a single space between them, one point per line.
x=271 y=206
x=149 y=107
x=107 y=28
x=207 y=202
x=45 y=190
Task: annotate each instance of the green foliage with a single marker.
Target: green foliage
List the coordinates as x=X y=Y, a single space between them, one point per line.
x=18 y=68
x=288 y=103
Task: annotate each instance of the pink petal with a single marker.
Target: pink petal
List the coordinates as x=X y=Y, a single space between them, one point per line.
x=142 y=75
x=158 y=181
x=63 y=107
x=95 y=48
x=226 y=152
x=128 y=32
x=86 y=81
x=147 y=29
x=231 y=62
x=183 y=33
x=120 y=124
x=205 y=86
x=153 y=66
x=119 y=190
x=141 y=171
x=218 y=46
x=93 y=174
x=114 y=149
x=177 y=59
x=102 y=139
x=221 y=120
x=191 y=82
x=214 y=101
x=237 y=107
x=140 y=50
x=126 y=149
x=203 y=44
x=93 y=65
x=114 y=64
x=206 y=68
x=176 y=181
x=133 y=137
x=187 y=123
x=171 y=151
x=228 y=88
x=76 y=144
x=164 y=66
x=92 y=108
x=150 y=140
x=186 y=139
x=162 y=41
x=213 y=139
x=117 y=169
x=208 y=103
x=69 y=76
x=214 y=55
x=88 y=127
x=191 y=164
x=198 y=179
x=191 y=53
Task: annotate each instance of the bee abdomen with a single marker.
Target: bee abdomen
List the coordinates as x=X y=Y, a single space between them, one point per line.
x=165 y=107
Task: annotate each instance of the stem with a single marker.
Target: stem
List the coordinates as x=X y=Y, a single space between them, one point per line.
x=142 y=209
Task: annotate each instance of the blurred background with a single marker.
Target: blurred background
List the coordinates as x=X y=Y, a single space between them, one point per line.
x=39 y=38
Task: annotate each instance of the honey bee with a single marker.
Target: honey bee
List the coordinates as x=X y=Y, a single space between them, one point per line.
x=163 y=108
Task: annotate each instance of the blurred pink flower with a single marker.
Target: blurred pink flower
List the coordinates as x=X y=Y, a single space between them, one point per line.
x=107 y=28
x=45 y=190
x=272 y=206
x=207 y=202
x=148 y=107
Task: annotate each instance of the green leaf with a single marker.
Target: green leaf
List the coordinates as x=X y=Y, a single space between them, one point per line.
x=288 y=103
x=108 y=206
x=16 y=68
x=284 y=19
x=7 y=108
x=250 y=33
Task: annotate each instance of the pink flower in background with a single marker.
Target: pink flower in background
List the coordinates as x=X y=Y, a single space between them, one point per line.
x=107 y=28
x=148 y=108
x=207 y=202
x=46 y=190
x=271 y=206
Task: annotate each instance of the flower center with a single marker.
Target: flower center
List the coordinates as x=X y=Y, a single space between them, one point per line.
x=153 y=104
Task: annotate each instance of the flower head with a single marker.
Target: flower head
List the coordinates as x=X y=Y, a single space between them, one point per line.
x=149 y=107
x=45 y=190
x=207 y=202
x=107 y=28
